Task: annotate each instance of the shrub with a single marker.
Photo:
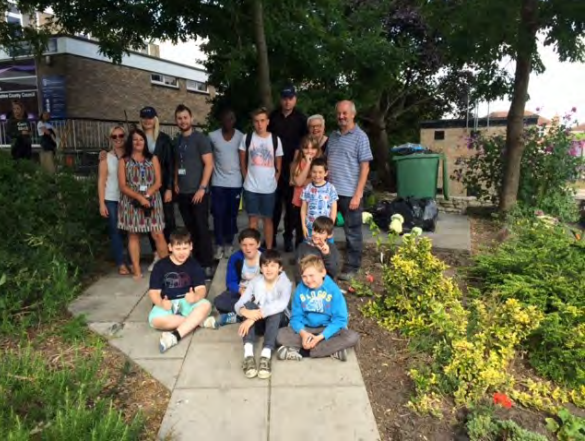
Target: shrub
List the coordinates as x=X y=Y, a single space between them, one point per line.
x=543 y=266
x=549 y=165
x=53 y=232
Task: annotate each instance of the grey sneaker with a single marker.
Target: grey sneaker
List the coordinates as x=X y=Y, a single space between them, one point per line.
x=167 y=341
x=288 y=353
x=249 y=367
x=347 y=276
x=340 y=355
x=218 y=254
x=264 y=371
x=209 y=273
x=151 y=266
x=228 y=250
x=210 y=323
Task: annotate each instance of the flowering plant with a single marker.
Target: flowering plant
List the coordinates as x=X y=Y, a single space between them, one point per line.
x=550 y=163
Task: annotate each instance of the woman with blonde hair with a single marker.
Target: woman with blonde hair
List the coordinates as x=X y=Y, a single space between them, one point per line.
x=300 y=178
x=161 y=146
x=109 y=194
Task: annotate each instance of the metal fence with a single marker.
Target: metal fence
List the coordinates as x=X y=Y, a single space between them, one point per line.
x=80 y=133
x=80 y=139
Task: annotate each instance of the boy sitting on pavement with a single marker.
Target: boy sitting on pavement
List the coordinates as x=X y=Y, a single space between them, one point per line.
x=177 y=290
x=318 y=323
x=243 y=266
x=264 y=306
x=318 y=244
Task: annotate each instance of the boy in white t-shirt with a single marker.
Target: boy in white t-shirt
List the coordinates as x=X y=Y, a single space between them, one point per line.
x=261 y=161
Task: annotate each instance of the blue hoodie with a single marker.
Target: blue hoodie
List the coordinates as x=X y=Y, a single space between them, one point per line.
x=321 y=307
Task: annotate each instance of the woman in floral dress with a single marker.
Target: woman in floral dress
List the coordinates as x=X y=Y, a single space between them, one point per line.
x=141 y=209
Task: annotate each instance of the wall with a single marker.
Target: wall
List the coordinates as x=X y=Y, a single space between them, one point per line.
x=454 y=146
x=97 y=89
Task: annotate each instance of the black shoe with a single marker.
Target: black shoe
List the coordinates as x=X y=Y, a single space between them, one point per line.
x=288 y=246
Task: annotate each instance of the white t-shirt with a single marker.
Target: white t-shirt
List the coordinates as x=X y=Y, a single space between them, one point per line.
x=226 y=170
x=261 y=177
x=45 y=125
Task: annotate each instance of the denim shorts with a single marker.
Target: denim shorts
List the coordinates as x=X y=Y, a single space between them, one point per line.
x=259 y=204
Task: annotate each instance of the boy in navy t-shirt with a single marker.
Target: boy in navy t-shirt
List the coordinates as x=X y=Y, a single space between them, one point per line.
x=177 y=290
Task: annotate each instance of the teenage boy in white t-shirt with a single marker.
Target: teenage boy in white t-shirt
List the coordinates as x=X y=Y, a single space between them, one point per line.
x=260 y=161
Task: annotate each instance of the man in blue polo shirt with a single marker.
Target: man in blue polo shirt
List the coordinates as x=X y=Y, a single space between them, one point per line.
x=348 y=159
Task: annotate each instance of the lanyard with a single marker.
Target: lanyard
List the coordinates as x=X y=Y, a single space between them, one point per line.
x=182 y=151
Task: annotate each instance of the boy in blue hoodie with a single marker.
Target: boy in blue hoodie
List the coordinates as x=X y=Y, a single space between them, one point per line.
x=243 y=266
x=318 y=322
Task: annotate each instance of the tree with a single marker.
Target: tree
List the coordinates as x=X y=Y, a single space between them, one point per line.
x=484 y=32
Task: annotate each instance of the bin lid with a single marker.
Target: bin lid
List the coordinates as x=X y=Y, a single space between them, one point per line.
x=418 y=157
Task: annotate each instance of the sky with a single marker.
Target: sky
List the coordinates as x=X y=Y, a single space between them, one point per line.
x=555 y=92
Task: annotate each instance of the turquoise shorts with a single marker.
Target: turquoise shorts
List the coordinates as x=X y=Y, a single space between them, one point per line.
x=180 y=307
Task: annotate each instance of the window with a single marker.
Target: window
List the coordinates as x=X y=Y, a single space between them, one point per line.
x=439 y=135
x=197 y=86
x=14 y=18
x=164 y=80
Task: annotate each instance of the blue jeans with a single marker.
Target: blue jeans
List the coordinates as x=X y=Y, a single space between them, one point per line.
x=117 y=243
x=353 y=232
x=225 y=204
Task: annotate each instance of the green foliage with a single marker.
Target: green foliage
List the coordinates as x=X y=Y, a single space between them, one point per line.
x=58 y=399
x=483 y=426
x=53 y=233
x=548 y=169
x=570 y=428
x=543 y=266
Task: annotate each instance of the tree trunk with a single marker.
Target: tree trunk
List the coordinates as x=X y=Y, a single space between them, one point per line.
x=380 y=147
x=264 y=86
x=527 y=29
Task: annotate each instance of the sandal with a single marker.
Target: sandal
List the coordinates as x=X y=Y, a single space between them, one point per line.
x=123 y=270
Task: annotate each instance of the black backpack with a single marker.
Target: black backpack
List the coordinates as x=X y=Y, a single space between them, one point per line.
x=274 y=146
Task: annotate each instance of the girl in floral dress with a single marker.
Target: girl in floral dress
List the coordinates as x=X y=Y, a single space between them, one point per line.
x=141 y=209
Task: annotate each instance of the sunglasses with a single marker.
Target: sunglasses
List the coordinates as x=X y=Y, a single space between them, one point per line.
x=117 y=136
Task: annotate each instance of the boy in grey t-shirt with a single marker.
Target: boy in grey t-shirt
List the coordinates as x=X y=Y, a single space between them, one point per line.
x=261 y=162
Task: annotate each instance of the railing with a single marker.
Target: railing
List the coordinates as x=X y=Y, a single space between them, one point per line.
x=80 y=139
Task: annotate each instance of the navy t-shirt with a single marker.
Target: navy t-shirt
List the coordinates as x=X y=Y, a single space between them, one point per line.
x=174 y=280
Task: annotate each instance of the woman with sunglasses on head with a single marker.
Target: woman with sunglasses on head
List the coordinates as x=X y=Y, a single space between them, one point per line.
x=161 y=146
x=141 y=210
x=109 y=194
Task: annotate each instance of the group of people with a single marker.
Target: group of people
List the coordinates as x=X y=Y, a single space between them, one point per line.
x=286 y=165
x=312 y=322
x=18 y=130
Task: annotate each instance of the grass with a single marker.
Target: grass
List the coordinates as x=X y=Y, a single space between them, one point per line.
x=61 y=382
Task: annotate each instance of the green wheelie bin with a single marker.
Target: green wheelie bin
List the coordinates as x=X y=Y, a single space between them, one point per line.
x=417 y=175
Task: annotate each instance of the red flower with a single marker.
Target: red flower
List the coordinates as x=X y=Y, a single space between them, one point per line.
x=370 y=278
x=503 y=400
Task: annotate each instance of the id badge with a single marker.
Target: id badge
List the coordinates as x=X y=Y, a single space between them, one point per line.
x=182 y=172
x=143 y=188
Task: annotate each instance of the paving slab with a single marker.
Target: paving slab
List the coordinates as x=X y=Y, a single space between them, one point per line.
x=217 y=414
x=118 y=286
x=218 y=283
x=216 y=365
x=166 y=371
x=141 y=310
x=317 y=373
x=225 y=334
x=139 y=340
x=321 y=413
x=104 y=308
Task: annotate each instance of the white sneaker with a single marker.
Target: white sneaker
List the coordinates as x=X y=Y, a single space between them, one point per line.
x=218 y=254
x=151 y=266
x=228 y=250
x=210 y=323
x=167 y=341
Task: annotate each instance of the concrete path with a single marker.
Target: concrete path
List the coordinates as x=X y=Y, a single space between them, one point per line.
x=211 y=399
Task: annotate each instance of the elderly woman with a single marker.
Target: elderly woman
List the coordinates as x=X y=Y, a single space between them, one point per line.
x=316 y=126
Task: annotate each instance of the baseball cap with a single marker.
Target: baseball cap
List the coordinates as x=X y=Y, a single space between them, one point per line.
x=288 y=92
x=148 y=112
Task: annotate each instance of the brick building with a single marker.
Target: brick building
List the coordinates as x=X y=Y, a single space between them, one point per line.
x=450 y=136
x=73 y=80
